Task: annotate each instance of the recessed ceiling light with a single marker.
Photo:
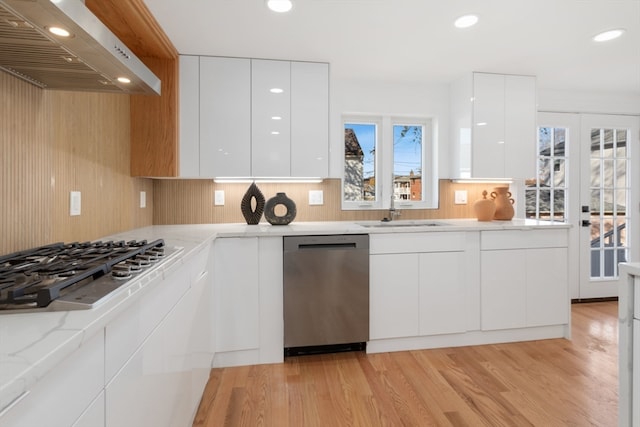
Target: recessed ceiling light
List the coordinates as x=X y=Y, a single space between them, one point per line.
x=280 y=6
x=124 y=80
x=466 y=21
x=276 y=90
x=276 y=118
x=608 y=35
x=59 y=31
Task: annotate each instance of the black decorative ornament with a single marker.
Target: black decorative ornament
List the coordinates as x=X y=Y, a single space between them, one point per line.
x=280 y=199
x=252 y=216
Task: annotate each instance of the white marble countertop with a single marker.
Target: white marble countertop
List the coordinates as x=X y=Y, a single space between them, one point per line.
x=33 y=343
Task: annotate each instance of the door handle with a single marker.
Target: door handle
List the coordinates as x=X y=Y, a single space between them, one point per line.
x=586 y=223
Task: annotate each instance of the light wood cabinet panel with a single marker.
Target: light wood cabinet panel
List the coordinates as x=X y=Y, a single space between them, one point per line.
x=154 y=119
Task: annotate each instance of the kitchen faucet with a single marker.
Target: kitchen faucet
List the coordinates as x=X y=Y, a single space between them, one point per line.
x=392 y=210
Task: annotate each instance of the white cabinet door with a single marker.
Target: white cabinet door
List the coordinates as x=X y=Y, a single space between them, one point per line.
x=189 y=104
x=309 y=119
x=225 y=117
x=394 y=296
x=236 y=289
x=442 y=293
x=62 y=396
x=270 y=118
x=520 y=126
x=547 y=276
x=524 y=279
x=201 y=333
x=493 y=134
x=154 y=386
x=503 y=289
x=488 y=154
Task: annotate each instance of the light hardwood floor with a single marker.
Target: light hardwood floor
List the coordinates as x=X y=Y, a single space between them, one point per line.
x=540 y=383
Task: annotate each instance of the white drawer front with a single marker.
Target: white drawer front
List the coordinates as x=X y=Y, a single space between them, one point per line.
x=398 y=243
x=523 y=239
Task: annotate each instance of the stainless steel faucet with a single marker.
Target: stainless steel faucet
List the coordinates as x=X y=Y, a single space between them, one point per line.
x=392 y=210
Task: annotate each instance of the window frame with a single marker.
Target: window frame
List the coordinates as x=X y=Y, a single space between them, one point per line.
x=384 y=162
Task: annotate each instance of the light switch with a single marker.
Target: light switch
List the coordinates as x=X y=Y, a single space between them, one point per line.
x=218 y=198
x=143 y=199
x=316 y=197
x=460 y=197
x=75 y=203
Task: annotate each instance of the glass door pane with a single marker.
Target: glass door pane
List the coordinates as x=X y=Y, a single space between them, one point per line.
x=545 y=195
x=609 y=201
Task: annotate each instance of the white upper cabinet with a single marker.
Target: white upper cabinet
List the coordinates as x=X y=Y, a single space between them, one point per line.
x=253 y=118
x=189 y=75
x=270 y=118
x=225 y=117
x=493 y=126
x=309 y=119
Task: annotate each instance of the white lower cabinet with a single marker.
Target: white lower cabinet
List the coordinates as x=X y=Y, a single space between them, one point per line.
x=61 y=398
x=166 y=364
x=524 y=279
x=442 y=293
x=94 y=415
x=237 y=304
x=248 y=305
x=416 y=284
x=154 y=386
x=394 y=295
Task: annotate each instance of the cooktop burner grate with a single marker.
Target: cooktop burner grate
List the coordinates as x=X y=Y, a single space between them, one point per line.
x=38 y=276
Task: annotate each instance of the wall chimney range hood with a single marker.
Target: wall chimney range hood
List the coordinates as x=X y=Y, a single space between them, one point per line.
x=90 y=59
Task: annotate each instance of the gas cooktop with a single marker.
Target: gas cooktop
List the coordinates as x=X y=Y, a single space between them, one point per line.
x=68 y=276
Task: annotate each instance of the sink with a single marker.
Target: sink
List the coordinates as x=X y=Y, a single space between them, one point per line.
x=403 y=223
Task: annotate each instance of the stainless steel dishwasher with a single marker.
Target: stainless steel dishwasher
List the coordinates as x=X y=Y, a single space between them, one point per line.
x=326 y=293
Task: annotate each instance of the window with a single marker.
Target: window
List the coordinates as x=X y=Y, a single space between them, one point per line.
x=360 y=143
x=546 y=195
x=387 y=157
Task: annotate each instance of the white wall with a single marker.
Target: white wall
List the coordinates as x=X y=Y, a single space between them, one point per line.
x=588 y=102
x=387 y=98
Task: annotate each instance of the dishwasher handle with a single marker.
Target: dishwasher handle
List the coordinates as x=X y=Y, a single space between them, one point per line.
x=346 y=242
x=327 y=246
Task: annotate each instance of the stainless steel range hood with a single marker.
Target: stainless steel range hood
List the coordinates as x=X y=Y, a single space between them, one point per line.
x=91 y=59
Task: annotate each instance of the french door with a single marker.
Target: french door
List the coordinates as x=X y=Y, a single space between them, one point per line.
x=609 y=199
x=589 y=176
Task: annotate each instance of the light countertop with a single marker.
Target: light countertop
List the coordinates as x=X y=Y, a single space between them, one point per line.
x=33 y=343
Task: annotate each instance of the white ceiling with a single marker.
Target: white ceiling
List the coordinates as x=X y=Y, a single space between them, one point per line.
x=415 y=40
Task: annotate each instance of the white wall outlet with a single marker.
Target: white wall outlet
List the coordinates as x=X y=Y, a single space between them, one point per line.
x=218 y=198
x=143 y=199
x=316 y=197
x=75 y=203
x=460 y=197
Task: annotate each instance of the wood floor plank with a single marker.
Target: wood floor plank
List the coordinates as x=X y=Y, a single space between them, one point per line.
x=545 y=383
